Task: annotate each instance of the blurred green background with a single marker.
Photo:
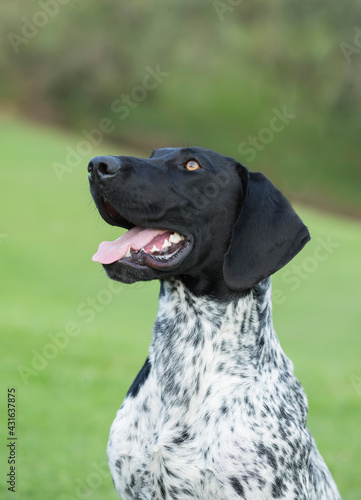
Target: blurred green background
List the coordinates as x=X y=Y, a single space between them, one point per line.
x=276 y=86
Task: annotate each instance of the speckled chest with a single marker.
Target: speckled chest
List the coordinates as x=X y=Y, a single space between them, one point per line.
x=160 y=452
x=216 y=412
x=163 y=442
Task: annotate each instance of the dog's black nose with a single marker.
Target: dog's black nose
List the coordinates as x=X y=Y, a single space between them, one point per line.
x=103 y=166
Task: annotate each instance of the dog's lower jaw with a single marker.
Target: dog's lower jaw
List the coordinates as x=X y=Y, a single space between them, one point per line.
x=218 y=412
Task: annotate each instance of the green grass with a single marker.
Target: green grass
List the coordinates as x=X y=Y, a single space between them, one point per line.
x=64 y=409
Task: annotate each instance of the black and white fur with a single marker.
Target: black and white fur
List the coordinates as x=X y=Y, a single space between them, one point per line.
x=216 y=412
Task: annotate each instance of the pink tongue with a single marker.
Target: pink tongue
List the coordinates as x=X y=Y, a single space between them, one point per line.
x=136 y=238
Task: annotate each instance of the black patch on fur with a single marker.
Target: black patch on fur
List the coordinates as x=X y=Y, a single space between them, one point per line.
x=267 y=452
x=162 y=488
x=140 y=379
x=184 y=436
x=236 y=485
x=278 y=488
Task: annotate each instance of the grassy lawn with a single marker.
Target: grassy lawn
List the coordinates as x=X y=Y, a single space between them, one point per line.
x=71 y=344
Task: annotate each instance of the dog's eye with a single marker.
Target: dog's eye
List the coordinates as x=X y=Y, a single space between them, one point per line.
x=192 y=165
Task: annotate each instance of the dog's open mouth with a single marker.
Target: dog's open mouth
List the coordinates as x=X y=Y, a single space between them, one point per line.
x=153 y=247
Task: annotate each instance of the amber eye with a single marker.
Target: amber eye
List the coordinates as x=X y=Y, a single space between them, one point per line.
x=192 y=165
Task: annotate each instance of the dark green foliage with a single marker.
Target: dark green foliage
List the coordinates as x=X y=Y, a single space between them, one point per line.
x=228 y=64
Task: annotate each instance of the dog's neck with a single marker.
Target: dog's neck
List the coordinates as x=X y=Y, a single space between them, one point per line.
x=195 y=338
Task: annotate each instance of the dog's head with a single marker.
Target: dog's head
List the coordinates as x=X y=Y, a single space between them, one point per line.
x=194 y=214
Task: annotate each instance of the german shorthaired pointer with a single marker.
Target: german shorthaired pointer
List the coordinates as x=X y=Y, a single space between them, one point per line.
x=216 y=411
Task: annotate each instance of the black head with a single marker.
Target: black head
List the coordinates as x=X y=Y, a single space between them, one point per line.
x=194 y=214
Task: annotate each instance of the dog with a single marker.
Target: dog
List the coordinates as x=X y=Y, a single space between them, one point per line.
x=216 y=412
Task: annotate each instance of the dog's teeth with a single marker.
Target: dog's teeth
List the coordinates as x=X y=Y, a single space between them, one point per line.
x=128 y=254
x=154 y=249
x=166 y=244
x=175 y=238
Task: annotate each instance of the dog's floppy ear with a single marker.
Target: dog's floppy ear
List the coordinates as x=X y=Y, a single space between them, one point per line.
x=267 y=234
